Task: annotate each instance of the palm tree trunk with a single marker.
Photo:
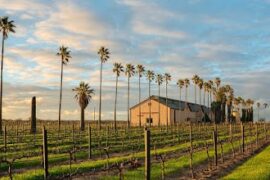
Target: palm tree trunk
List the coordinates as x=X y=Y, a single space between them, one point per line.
x=179 y=102
x=128 y=105
x=195 y=94
x=140 y=110
x=100 y=91
x=159 y=105
x=60 y=100
x=204 y=97
x=1 y=88
x=200 y=97
x=149 y=103
x=167 y=113
x=82 y=119
x=115 y=103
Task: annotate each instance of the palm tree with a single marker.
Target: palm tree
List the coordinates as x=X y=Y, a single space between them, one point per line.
x=217 y=82
x=187 y=83
x=6 y=27
x=258 y=107
x=83 y=95
x=104 y=56
x=180 y=84
x=159 y=81
x=65 y=56
x=195 y=80
x=140 y=71
x=200 y=85
x=130 y=71
x=205 y=87
x=167 y=78
x=211 y=89
x=265 y=105
x=117 y=69
x=150 y=75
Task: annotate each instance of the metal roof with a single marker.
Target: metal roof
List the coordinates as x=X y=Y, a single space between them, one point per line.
x=176 y=104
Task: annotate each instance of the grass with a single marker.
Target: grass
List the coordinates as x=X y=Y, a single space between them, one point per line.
x=258 y=167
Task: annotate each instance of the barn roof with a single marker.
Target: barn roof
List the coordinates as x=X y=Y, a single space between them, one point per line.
x=176 y=104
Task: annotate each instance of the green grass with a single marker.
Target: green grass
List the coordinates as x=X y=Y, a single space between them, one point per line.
x=258 y=167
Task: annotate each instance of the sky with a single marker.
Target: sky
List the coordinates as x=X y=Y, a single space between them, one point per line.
x=212 y=38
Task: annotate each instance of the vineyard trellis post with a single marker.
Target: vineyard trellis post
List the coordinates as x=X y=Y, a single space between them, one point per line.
x=147 y=154
x=191 y=150
x=257 y=135
x=243 y=137
x=215 y=147
x=265 y=131
x=33 y=115
x=45 y=153
x=90 y=142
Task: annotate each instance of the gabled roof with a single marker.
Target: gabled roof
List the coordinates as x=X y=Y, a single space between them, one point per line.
x=176 y=104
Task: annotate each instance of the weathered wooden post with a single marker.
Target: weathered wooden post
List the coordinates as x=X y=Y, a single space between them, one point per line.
x=33 y=115
x=147 y=154
x=243 y=137
x=191 y=151
x=89 y=142
x=257 y=136
x=265 y=131
x=45 y=153
x=215 y=147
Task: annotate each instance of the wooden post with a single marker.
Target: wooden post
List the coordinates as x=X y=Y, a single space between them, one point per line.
x=243 y=137
x=5 y=138
x=257 y=136
x=33 y=115
x=265 y=131
x=45 y=153
x=191 y=151
x=215 y=147
x=90 y=142
x=147 y=154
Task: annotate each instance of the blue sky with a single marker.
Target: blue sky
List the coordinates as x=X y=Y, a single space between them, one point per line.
x=229 y=39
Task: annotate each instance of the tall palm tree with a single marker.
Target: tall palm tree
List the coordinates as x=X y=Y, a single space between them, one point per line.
x=200 y=85
x=217 y=82
x=195 y=80
x=6 y=26
x=64 y=53
x=140 y=70
x=83 y=95
x=117 y=69
x=211 y=89
x=265 y=105
x=187 y=83
x=130 y=71
x=167 y=78
x=258 y=107
x=104 y=56
x=159 y=81
x=180 y=84
x=205 y=87
x=150 y=75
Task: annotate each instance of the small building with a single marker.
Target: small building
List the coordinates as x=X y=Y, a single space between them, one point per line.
x=176 y=111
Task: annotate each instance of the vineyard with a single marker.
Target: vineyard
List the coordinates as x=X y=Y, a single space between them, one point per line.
x=183 y=150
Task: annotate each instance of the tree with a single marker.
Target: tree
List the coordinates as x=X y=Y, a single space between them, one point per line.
x=200 y=85
x=205 y=87
x=6 y=26
x=258 y=107
x=180 y=83
x=229 y=100
x=211 y=89
x=167 y=78
x=130 y=71
x=195 y=80
x=104 y=56
x=187 y=83
x=140 y=70
x=83 y=95
x=64 y=53
x=159 y=81
x=217 y=82
x=150 y=75
x=117 y=69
